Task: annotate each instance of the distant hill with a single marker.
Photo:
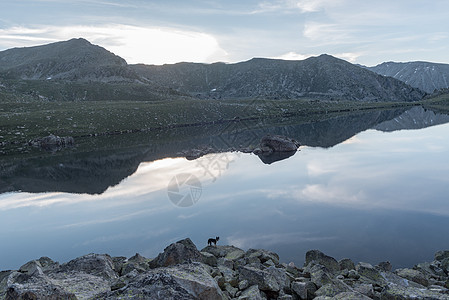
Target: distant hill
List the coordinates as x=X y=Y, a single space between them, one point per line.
x=74 y=60
x=323 y=77
x=426 y=76
x=72 y=70
x=79 y=70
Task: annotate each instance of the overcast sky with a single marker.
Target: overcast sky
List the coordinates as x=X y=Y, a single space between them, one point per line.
x=168 y=31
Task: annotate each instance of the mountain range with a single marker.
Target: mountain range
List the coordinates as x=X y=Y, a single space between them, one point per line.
x=79 y=70
x=324 y=77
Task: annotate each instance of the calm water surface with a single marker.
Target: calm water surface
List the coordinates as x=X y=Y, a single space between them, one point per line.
x=376 y=196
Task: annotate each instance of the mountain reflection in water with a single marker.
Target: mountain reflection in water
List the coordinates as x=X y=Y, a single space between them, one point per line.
x=92 y=172
x=369 y=195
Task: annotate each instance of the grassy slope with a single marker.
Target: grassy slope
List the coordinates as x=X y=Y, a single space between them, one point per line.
x=21 y=122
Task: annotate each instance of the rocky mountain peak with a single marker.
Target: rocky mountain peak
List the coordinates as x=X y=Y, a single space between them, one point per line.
x=426 y=76
x=69 y=60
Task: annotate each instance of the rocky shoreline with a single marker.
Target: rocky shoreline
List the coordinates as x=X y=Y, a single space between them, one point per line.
x=223 y=272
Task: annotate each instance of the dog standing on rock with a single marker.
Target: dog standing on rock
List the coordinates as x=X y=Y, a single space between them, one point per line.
x=213 y=241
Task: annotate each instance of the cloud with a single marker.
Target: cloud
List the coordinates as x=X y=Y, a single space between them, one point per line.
x=293 y=56
x=271 y=239
x=149 y=178
x=120 y=4
x=348 y=56
x=317 y=5
x=438 y=36
x=292 y=6
x=120 y=217
x=331 y=194
x=136 y=44
x=327 y=33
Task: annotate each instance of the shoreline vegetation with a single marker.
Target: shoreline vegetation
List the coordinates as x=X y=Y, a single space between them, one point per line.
x=182 y=271
x=24 y=121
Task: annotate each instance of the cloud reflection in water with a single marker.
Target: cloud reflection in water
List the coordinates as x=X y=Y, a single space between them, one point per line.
x=369 y=197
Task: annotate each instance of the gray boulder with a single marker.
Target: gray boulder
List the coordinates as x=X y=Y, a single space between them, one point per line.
x=136 y=262
x=100 y=265
x=36 y=286
x=384 y=266
x=235 y=255
x=243 y=285
x=251 y=293
x=81 y=284
x=209 y=259
x=4 y=275
x=369 y=272
x=230 y=290
x=70 y=281
x=398 y=292
x=346 y=264
x=350 y=296
x=280 y=276
x=292 y=270
x=47 y=264
x=118 y=263
x=230 y=252
x=185 y=281
x=445 y=265
x=393 y=279
x=364 y=289
x=318 y=257
x=265 y=280
x=319 y=275
x=431 y=270
x=222 y=261
x=413 y=275
x=32 y=268
x=333 y=288
x=177 y=253
x=230 y=276
x=299 y=288
x=441 y=255
x=262 y=255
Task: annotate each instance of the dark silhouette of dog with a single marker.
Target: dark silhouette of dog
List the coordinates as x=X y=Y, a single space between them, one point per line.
x=213 y=241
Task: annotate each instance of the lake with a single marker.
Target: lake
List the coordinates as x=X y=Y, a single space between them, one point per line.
x=368 y=186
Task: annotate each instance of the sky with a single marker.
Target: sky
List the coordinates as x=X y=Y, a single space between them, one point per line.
x=170 y=31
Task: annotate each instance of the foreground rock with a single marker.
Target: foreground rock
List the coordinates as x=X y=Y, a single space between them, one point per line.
x=223 y=272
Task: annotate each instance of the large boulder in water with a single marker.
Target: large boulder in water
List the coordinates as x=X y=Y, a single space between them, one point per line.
x=278 y=143
x=274 y=148
x=272 y=157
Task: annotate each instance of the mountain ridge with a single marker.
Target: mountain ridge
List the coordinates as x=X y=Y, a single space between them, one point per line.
x=427 y=76
x=324 y=77
x=34 y=70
